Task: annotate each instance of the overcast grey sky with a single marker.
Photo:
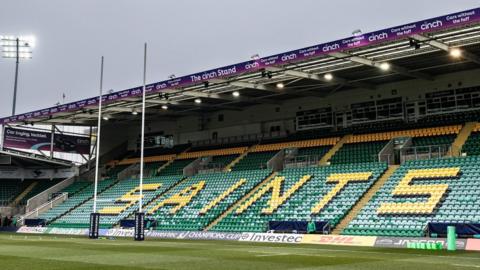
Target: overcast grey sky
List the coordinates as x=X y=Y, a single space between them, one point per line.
x=184 y=36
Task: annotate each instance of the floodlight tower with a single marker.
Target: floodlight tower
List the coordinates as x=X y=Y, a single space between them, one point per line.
x=17 y=47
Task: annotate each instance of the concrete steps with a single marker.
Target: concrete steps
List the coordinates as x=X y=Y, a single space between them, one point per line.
x=239 y=202
x=159 y=170
x=462 y=137
x=235 y=161
x=334 y=149
x=22 y=195
x=164 y=166
x=364 y=200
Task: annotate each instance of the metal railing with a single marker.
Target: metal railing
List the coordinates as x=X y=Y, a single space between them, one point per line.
x=388 y=158
x=302 y=161
x=44 y=196
x=425 y=152
x=211 y=168
x=44 y=207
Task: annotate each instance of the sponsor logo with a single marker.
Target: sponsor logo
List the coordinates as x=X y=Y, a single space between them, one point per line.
x=67 y=231
x=289 y=57
x=160 y=86
x=330 y=47
x=163 y=234
x=251 y=65
x=272 y=238
x=210 y=236
x=339 y=240
x=431 y=25
x=378 y=37
x=25 y=229
x=397 y=242
x=118 y=232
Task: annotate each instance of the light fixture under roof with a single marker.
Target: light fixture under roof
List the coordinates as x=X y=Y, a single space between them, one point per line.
x=328 y=76
x=134 y=112
x=106 y=117
x=236 y=94
x=164 y=107
x=455 y=52
x=280 y=85
x=385 y=66
x=198 y=101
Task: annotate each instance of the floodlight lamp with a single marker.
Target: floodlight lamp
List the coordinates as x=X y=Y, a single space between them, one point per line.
x=328 y=76
x=455 y=52
x=385 y=66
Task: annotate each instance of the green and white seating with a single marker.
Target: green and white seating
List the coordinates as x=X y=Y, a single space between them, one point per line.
x=460 y=202
x=301 y=202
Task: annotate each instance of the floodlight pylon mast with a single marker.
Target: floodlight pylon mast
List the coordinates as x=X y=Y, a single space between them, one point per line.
x=16 y=47
x=17 y=62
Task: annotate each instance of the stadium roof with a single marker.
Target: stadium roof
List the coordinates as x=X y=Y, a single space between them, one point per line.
x=420 y=50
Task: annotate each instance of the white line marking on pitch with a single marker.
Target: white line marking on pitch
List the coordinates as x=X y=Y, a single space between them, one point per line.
x=266 y=253
x=466 y=265
x=273 y=254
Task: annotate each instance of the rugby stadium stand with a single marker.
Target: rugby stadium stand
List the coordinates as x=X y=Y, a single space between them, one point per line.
x=247 y=196
x=380 y=139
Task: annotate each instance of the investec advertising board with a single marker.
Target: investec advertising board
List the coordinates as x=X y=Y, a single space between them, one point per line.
x=368 y=39
x=272 y=238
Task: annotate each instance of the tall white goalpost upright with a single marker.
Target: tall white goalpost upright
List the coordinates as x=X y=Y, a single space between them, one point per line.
x=139 y=234
x=95 y=216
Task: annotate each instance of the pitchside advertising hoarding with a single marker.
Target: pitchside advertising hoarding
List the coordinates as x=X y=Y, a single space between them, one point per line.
x=402 y=242
x=316 y=239
x=364 y=40
x=41 y=140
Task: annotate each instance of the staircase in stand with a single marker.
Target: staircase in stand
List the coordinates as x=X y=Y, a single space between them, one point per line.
x=364 y=199
x=334 y=149
x=22 y=195
x=235 y=161
x=462 y=137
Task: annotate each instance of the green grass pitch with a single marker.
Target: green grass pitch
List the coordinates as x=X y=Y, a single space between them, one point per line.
x=35 y=252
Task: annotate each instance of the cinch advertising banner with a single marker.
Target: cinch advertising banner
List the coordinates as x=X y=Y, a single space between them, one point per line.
x=405 y=31
x=40 y=140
